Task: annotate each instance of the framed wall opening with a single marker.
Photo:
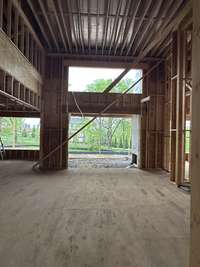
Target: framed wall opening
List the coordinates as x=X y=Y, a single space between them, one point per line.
x=88 y=79
x=20 y=133
x=106 y=143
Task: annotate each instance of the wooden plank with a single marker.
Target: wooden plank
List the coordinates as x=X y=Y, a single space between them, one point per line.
x=145 y=99
x=179 y=112
x=173 y=97
x=17 y=100
x=100 y=62
x=195 y=167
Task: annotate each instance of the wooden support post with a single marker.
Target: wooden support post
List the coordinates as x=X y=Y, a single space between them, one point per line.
x=27 y=95
x=195 y=167
x=21 y=43
x=16 y=28
x=22 y=92
x=1 y=13
x=27 y=48
x=16 y=89
x=173 y=106
x=2 y=80
x=9 y=85
x=54 y=114
x=179 y=111
x=31 y=49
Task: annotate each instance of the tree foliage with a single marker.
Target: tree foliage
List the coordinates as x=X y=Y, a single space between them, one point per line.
x=105 y=132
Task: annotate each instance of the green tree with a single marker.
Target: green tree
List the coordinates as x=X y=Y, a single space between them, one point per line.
x=33 y=133
x=106 y=132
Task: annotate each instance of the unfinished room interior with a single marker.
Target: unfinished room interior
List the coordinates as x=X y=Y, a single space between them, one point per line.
x=99 y=133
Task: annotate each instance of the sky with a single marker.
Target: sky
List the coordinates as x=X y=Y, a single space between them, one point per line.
x=32 y=121
x=80 y=77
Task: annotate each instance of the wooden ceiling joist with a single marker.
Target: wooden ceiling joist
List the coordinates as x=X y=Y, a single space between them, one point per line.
x=48 y=23
x=40 y=24
x=146 y=27
x=146 y=9
x=99 y=27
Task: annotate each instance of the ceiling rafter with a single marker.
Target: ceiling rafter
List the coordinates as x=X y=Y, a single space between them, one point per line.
x=152 y=31
x=114 y=30
x=89 y=26
x=123 y=25
x=39 y=23
x=170 y=17
x=147 y=26
x=128 y=26
x=59 y=25
x=97 y=28
x=105 y=32
x=68 y=3
x=79 y=26
x=65 y=25
x=48 y=23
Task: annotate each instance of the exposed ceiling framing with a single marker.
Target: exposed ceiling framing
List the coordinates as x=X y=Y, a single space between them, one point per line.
x=101 y=27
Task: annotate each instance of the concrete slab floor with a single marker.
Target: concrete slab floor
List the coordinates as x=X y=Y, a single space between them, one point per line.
x=91 y=218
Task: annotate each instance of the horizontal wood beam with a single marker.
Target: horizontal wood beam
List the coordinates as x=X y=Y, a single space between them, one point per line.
x=104 y=64
x=18 y=101
x=88 y=102
x=104 y=61
x=20 y=114
x=15 y=64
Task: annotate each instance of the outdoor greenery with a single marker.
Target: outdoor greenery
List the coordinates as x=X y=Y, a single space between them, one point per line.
x=104 y=134
x=100 y=84
x=15 y=132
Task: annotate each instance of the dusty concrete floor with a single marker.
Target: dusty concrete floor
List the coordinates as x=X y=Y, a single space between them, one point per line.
x=91 y=218
x=98 y=161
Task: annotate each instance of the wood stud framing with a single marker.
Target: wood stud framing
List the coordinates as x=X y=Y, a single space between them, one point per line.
x=152 y=126
x=21 y=32
x=17 y=92
x=179 y=76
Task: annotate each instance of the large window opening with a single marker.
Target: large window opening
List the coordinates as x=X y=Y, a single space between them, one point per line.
x=20 y=133
x=107 y=142
x=97 y=79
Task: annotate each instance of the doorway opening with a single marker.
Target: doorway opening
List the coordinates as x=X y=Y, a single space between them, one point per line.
x=106 y=143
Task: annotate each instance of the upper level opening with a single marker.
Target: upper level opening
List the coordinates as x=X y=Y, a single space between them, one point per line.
x=87 y=79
